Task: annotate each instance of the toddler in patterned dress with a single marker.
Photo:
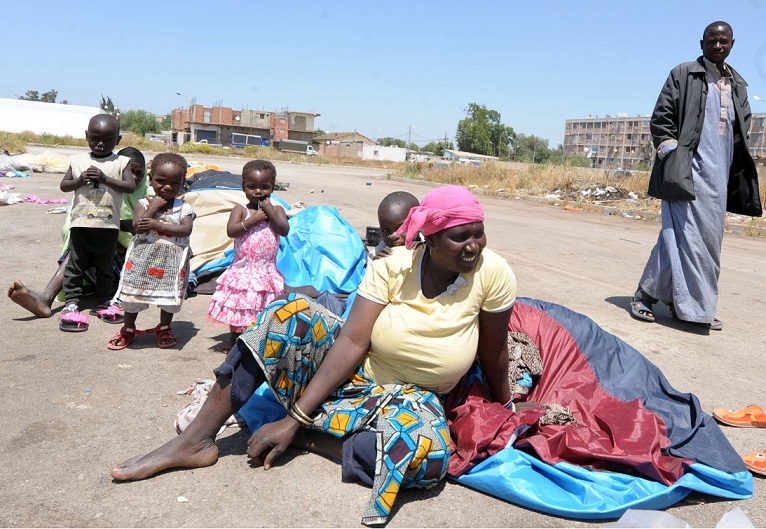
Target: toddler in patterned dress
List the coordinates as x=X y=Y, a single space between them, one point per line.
x=252 y=281
x=156 y=270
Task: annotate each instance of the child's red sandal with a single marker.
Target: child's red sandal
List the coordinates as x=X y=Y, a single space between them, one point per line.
x=122 y=339
x=165 y=337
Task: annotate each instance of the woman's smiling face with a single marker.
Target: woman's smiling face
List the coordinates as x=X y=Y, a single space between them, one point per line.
x=457 y=249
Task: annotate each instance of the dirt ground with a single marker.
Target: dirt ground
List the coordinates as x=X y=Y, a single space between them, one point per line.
x=75 y=409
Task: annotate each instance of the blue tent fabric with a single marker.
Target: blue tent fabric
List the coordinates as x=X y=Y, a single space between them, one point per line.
x=626 y=374
x=625 y=379
x=322 y=250
x=575 y=492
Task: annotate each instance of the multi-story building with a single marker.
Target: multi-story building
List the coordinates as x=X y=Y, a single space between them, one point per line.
x=757 y=139
x=623 y=142
x=613 y=142
x=216 y=124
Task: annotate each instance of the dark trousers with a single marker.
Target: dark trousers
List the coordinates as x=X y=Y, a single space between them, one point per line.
x=90 y=247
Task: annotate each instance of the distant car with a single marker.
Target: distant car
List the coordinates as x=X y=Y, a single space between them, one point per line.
x=205 y=142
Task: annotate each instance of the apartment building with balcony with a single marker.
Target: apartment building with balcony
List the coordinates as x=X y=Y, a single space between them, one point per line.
x=757 y=137
x=624 y=142
x=216 y=124
x=612 y=142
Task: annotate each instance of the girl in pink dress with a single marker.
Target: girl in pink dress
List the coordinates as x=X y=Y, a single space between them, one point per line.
x=252 y=281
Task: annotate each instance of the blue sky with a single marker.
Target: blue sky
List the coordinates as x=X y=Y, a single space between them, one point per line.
x=375 y=67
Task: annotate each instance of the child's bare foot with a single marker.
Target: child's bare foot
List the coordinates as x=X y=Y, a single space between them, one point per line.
x=176 y=453
x=29 y=300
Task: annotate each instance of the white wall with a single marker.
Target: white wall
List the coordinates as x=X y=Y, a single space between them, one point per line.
x=17 y=115
x=389 y=154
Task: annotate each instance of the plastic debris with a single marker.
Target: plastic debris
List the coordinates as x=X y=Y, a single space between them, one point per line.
x=735 y=518
x=181 y=499
x=8 y=199
x=641 y=518
x=38 y=200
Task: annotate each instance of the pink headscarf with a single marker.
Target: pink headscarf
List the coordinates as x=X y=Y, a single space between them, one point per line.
x=442 y=208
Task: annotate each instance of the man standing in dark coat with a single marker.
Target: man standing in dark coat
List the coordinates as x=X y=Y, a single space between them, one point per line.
x=703 y=169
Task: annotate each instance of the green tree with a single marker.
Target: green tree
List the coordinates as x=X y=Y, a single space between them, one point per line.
x=139 y=121
x=532 y=149
x=578 y=161
x=388 y=142
x=482 y=132
x=46 y=97
x=413 y=147
x=166 y=123
x=318 y=132
x=437 y=147
x=108 y=106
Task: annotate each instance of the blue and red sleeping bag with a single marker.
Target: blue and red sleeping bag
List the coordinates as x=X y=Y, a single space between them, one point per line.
x=638 y=443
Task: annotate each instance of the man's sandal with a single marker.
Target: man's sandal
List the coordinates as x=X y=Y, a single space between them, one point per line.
x=751 y=417
x=717 y=324
x=165 y=337
x=641 y=310
x=756 y=462
x=122 y=339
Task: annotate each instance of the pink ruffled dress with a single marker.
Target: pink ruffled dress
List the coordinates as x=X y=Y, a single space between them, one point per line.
x=252 y=281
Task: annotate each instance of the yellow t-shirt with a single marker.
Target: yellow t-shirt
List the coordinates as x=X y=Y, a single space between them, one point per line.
x=430 y=342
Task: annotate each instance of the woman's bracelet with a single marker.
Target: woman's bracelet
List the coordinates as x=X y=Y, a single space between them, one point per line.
x=301 y=414
x=298 y=418
x=243 y=226
x=297 y=414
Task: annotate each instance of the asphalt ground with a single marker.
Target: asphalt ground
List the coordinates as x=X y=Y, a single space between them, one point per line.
x=75 y=409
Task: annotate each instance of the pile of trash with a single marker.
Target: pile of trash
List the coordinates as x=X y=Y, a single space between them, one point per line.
x=593 y=193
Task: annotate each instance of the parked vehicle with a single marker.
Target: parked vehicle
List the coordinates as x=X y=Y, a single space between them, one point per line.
x=205 y=142
x=302 y=147
x=243 y=140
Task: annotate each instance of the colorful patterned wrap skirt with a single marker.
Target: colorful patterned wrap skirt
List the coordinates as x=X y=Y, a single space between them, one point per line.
x=289 y=341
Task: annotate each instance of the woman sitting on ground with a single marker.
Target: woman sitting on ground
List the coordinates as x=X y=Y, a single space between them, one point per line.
x=418 y=323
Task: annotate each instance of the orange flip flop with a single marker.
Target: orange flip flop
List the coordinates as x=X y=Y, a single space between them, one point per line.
x=751 y=417
x=756 y=462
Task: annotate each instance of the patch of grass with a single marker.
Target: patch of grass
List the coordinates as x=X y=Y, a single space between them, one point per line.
x=754 y=227
x=523 y=179
x=13 y=143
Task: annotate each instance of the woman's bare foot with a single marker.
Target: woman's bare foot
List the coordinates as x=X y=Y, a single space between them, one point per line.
x=29 y=300
x=177 y=453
